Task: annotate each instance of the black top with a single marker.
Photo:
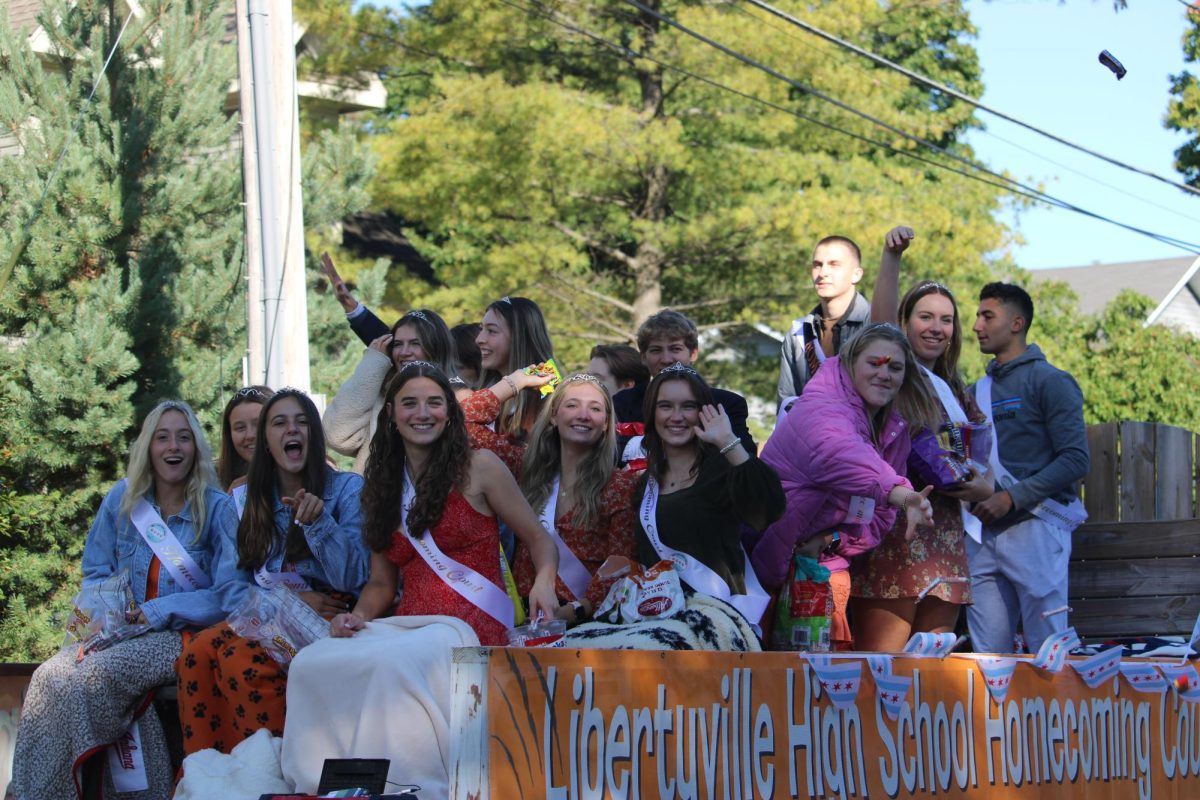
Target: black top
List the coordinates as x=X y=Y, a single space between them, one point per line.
x=705 y=519
x=627 y=404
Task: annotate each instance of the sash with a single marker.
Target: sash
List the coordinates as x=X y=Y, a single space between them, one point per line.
x=126 y=764
x=239 y=499
x=698 y=576
x=269 y=580
x=473 y=587
x=572 y=571
x=954 y=410
x=170 y=552
x=1065 y=517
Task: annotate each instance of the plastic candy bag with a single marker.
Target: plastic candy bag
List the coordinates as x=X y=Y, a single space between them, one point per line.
x=804 y=608
x=102 y=614
x=278 y=620
x=641 y=593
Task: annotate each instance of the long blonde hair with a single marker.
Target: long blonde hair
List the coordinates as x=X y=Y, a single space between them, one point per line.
x=139 y=477
x=543 y=457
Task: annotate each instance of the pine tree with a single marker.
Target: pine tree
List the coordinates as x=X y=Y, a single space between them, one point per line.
x=125 y=294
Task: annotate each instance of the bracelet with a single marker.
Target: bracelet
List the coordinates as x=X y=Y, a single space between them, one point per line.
x=512 y=385
x=736 y=441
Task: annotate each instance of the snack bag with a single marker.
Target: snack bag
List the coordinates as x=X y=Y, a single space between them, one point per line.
x=641 y=593
x=541 y=633
x=804 y=608
x=101 y=615
x=550 y=366
x=949 y=455
x=278 y=620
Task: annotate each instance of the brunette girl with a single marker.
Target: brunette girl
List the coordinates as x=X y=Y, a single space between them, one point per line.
x=239 y=424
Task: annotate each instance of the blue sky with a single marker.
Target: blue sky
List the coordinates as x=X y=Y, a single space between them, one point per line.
x=1040 y=65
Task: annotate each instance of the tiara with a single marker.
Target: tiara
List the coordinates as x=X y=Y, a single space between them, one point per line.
x=679 y=367
x=290 y=390
x=418 y=314
x=415 y=364
x=248 y=392
x=457 y=381
x=506 y=299
x=933 y=285
x=584 y=376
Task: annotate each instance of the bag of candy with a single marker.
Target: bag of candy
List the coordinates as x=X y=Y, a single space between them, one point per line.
x=103 y=614
x=641 y=593
x=278 y=620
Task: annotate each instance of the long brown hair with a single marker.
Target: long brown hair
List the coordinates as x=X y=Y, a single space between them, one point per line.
x=383 y=483
x=232 y=466
x=946 y=365
x=543 y=456
x=528 y=343
x=915 y=400
x=256 y=536
x=656 y=457
x=434 y=337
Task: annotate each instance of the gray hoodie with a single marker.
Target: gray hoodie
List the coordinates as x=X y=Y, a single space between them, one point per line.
x=1038 y=411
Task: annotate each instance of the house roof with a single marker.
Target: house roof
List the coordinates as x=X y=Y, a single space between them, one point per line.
x=1097 y=284
x=22 y=14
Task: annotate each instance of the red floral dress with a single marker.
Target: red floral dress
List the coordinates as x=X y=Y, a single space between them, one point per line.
x=482 y=409
x=610 y=535
x=897 y=568
x=470 y=538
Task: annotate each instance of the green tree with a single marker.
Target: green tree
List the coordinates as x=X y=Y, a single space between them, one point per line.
x=533 y=159
x=1183 y=111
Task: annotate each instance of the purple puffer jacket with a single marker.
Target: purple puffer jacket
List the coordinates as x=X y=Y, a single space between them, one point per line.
x=828 y=465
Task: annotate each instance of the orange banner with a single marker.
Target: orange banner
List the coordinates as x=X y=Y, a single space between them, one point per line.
x=574 y=724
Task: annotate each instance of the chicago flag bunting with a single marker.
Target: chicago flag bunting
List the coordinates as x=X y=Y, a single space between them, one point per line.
x=840 y=681
x=893 y=693
x=1053 y=652
x=880 y=665
x=1185 y=681
x=930 y=644
x=1143 y=677
x=1099 y=668
x=997 y=675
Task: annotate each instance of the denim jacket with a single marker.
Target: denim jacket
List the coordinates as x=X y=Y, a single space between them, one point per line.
x=339 y=559
x=114 y=546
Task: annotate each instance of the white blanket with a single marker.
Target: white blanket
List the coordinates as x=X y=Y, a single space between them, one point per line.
x=249 y=772
x=384 y=693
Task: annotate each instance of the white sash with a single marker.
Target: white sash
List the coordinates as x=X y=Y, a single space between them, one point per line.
x=474 y=588
x=126 y=763
x=239 y=499
x=1067 y=517
x=697 y=575
x=954 y=410
x=170 y=552
x=572 y=571
x=269 y=580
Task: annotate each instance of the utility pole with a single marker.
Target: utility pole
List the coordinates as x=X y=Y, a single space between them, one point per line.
x=277 y=324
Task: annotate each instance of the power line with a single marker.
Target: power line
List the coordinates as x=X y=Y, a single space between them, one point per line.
x=1043 y=196
x=1006 y=185
x=849 y=61
x=932 y=84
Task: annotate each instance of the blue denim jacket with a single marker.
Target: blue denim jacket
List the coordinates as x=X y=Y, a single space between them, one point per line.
x=114 y=546
x=340 y=557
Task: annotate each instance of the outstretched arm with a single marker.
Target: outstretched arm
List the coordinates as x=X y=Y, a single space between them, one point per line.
x=885 y=299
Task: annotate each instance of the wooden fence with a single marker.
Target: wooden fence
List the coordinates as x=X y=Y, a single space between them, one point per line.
x=1140 y=472
x=1134 y=568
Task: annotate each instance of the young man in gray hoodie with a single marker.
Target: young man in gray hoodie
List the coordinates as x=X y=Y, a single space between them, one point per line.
x=1019 y=570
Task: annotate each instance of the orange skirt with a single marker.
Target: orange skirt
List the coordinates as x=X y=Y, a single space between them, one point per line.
x=229 y=687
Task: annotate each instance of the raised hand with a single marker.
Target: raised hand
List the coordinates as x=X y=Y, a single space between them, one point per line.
x=340 y=290
x=714 y=427
x=898 y=239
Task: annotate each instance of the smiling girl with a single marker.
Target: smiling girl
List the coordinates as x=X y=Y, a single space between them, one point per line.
x=239 y=424
x=301 y=528
x=699 y=488
x=888 y=581
x=420 y=335
x=841 y=453
x=80 y=703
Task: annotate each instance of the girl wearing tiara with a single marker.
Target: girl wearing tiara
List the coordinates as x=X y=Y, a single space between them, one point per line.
x=420 y=335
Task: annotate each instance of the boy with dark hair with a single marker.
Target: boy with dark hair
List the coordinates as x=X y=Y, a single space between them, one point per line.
x=618 y=366
x=1019 y=569
x=840 y=314
x=667 y=338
